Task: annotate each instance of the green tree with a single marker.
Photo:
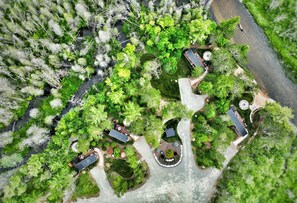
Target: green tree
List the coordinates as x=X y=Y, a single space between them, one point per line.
x=210 y=111
x=239 y=53
x=151 y=96
x=200 y=29
x=169 y=153
x=223 y=86
x=276 y=120
x=205 y=87
x=222 y=105
x=196 y=72
x=132 y=111
x=35 y=165
x=223 y=62
x=154 y=130
x=227 y=27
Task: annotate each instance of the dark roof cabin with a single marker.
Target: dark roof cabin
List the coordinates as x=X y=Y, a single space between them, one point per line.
x=170 y=132
x=234 y=116
x=86 y=162
x=194 y=59
x=119 y=136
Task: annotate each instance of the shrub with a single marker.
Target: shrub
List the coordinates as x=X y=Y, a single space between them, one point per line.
x=93 y=143
x=107 y=144
x=169 y=154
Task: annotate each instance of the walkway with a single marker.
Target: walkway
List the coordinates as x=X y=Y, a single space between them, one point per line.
x=183 y=183
x=193 y=101
x=263 y=61
x=98 y=173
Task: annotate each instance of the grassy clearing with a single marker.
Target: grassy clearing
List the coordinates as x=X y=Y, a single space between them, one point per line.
x=122 y=168
x=85 y=187
x=167 y=83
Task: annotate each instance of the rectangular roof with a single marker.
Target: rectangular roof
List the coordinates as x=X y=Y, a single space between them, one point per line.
x=86 y=162
x=170 y=132
x=239 y=126
x=193 y=58
x=119 y=136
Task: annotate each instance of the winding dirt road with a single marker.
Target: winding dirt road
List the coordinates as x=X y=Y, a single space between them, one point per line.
x=263 y=61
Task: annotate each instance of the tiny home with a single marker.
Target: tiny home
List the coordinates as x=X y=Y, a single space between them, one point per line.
x=237 y=122
x=194 y=59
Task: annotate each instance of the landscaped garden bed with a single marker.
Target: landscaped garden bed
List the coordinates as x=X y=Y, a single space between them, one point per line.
x=168 y=154
x=126 y=174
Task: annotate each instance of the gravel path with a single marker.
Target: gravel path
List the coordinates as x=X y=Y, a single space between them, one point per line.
x=263 y=61
x=193 y=101
x=183 y=183
x=98 y=173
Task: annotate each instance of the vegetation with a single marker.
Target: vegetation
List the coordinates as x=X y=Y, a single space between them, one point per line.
x=122 y=168
x=169 y=154
x=211 y=138
x=86 y=187
x=167 y=83
x=211 y=131
x=278 y=19
x=122 y=181
x=264 y=169
x=66 y=42
x=167 y=34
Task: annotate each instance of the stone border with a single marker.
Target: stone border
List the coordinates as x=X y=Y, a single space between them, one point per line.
x=170 y=166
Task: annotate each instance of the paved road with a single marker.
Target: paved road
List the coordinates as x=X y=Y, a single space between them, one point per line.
x=183 y=183
x=263 y=60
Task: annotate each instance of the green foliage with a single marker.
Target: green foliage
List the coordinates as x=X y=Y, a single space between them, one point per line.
x=132 y=111
x=167 y=83
x=227 y=27
x=196 y=72
x=205 y=87
x=223 y=62
x=175 y=110
x=263 y=170
x=210 y=137
x=122 y=168
x=210 y=111
x=169 y=153
x=277 y=19
x=131 y=173
x=154 y=130
x=86 y=187
x=166 y=36
x=239 y=53
x=10 y=161
x=279 y=116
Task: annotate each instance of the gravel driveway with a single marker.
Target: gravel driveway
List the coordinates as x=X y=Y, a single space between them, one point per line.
x=263 y=61
x=183 y=183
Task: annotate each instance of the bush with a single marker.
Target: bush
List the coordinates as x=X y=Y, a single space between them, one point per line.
x=93 y=143
x=169 y=154
x=113 y=144
x=197 y=72
x=107 y=144
x=85 y=187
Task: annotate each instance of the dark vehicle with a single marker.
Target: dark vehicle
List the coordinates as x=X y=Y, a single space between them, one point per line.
x=240 y=27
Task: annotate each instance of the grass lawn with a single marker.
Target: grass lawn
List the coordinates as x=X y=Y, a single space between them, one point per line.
x=85 y=187
x=122 y=168
x=167 y=83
